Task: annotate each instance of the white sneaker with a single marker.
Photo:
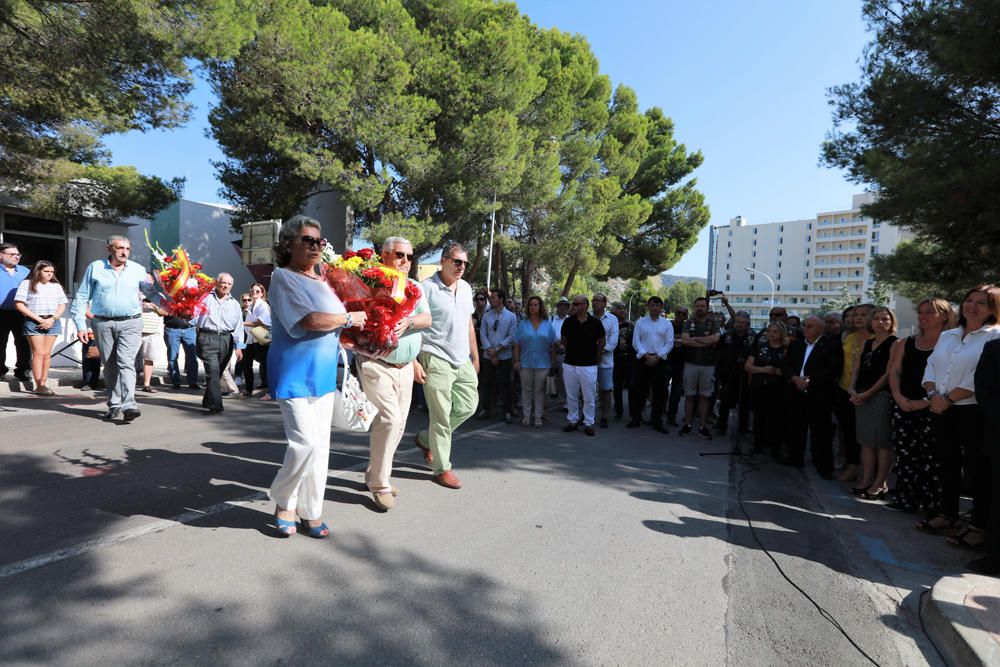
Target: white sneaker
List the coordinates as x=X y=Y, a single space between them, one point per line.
x=538 y=422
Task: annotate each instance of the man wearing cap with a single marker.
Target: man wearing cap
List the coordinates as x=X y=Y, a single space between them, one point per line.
x=112 y=288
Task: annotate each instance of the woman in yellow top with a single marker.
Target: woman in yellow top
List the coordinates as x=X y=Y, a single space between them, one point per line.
x=855 y=335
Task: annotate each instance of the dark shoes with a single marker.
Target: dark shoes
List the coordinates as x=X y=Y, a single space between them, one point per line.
x=448 y=480
x=112 y=414
x=633 y=423
x=604 y=422
x=22 y=376
x=569 y=428
x=828 y=476
x=194 y=386
x=705 y=433
x=214 y=411
x=661 y=429
x=589 y=430
x=177 y=386
x=671 y=422
x=483 y=415
x=131 y=414
x=685 y=430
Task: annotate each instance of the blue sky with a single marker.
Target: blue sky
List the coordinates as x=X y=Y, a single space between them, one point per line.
x=745 y=83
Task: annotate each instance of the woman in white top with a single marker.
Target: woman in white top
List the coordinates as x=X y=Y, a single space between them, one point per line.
x=41 y=299
x=258 y=315
x=956 y=419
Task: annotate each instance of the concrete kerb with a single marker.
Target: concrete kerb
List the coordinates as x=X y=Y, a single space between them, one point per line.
x=965 y=631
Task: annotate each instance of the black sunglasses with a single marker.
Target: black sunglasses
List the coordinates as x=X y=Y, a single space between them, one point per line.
x=401 y=255
x=311 y=242
x=479 y=298
x=459 y=263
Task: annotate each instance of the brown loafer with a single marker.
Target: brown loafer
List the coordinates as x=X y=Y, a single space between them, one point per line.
x=448 y=479
x=428 y=455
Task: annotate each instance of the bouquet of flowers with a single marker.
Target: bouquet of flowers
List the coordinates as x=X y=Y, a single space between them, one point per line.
x=385 y=295
x=184 y=285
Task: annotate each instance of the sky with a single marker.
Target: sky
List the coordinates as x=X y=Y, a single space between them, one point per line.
x=744 y=82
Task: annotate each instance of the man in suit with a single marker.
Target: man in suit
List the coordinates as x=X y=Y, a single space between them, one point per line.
x=812 y=368
x=988 y=396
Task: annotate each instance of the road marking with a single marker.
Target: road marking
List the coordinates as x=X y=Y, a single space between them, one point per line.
x=181 y=519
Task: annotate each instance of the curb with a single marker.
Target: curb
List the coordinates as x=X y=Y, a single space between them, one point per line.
x=960 y=616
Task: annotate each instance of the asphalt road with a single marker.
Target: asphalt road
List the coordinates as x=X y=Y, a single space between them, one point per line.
x=150 y=543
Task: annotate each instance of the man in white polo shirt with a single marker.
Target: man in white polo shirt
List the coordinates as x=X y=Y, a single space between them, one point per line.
x=449 y=360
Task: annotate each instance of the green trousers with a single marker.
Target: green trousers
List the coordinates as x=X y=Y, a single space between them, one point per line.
x=452 y=397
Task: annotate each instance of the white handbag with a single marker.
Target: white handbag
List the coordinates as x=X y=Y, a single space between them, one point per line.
x=352 y=411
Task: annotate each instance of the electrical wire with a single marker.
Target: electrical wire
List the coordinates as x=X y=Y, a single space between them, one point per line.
x=753 y=467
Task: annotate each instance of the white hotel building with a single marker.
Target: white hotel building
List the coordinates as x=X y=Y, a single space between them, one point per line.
x=807 y=260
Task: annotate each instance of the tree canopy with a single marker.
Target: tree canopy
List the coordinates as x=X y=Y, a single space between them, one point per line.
x=73 y=72
x=922 y=128
x=423 y=113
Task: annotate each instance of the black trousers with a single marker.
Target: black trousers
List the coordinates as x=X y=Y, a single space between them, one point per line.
x=214 y=350
x=769 y=415
x=649 y=379
x=91 y=367
x=843 y=410
x=958 y=445
x=734 y=391
x=254 y=352
x=494 y=383
x=993 y=523
x=622 y=378
x=675 y=375
x=809 y=413
x=12 y=323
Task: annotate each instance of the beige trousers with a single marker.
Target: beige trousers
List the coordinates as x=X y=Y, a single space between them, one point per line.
x=390 y=389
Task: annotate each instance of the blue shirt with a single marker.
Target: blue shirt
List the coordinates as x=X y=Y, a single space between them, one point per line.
x=497 y=331
x=111 y=293
x=9 y=283
x=535 y=345
x=301 y=363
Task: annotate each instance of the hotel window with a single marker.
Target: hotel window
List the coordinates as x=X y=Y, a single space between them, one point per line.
x=781 y=228
x=809 y=225
x=754 y=253
x=755 y=242
x=807 y=262
x=779 y=264
x=779 y=276
x=874 y=250
x=805 y=288
x=779 y=252
x=806 y=276
x=751 y=288
x=727 y=287
x=755 y=231
x=809 y=238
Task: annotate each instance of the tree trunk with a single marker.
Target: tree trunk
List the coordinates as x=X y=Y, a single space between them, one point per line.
x=570 y=279
x=527 y=268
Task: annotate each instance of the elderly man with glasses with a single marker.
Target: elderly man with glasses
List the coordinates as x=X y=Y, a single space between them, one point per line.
x=450 y=360
x=388 y=382
x=12 y=274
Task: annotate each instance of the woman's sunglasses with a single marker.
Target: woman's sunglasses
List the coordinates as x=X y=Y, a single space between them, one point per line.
x=311 y=242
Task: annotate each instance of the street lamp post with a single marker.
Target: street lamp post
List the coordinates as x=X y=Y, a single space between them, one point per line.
x=493 y=222
x=632 y=296
x=768 y=280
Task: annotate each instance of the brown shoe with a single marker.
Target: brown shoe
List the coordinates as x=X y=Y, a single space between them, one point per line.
x=448 y=479
x=428 y=455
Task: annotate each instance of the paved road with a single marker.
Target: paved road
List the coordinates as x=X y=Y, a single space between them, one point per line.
x=148 y=544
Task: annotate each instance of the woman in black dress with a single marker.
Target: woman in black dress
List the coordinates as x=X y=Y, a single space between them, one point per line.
x=870 y=395
x=918 y=473
x=766 y=384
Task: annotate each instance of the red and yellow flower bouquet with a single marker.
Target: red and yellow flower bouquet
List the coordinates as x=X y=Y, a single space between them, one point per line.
x=363 y=283
x=184 y=285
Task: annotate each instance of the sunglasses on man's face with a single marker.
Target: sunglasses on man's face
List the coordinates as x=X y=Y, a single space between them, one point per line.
x=459 y=263
x=403 y=255
x=311 y=242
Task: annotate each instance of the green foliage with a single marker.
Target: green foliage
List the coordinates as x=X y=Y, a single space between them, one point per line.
x=880 y=294
x=425 y=113
x=75 y=71
x=684 y=293
x=924 y=133
x=840 y=302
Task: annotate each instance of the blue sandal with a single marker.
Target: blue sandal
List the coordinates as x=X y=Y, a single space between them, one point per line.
x=318 y=532
x=285 y=527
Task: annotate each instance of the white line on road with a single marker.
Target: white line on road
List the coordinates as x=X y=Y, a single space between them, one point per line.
x=156 y=526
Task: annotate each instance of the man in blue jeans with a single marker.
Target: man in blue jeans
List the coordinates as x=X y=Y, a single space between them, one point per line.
x=179 y=332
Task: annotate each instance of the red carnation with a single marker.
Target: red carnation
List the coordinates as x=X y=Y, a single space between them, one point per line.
x=196 y=266
x=349 y=254
x=412 y=291
x=366 y=253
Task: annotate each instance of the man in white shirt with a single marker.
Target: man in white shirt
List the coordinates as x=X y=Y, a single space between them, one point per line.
x=653 y=339
x=496 y=331
x=562 y=312
x=606 y=365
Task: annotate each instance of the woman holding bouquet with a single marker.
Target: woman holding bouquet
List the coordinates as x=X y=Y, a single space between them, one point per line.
x=302 y=361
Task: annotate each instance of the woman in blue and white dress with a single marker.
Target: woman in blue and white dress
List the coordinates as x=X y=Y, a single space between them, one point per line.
x=41 y=299
x=306 y=319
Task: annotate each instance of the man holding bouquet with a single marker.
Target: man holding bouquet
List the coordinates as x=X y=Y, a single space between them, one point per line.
x=450 y=359
x=388 y=381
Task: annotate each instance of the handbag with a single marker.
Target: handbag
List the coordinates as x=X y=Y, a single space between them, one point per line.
x=261 y=334
x=551 y=388
x=352 y=411
x=92 y=351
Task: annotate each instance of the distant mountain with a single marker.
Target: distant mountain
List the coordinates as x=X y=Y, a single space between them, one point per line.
x=669 y=279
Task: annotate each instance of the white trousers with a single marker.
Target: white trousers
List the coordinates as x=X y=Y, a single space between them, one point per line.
x=580 y=379
x=301 y=483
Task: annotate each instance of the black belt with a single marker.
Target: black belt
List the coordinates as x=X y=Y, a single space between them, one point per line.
x=213 y=332
x=120 y=318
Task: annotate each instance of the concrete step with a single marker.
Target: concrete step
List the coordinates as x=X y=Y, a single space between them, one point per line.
x=962 y=616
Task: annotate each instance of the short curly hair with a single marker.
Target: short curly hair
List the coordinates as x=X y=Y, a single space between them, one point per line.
x=290 y=230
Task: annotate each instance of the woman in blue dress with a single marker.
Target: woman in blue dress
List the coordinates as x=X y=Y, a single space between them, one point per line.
x=302 y=368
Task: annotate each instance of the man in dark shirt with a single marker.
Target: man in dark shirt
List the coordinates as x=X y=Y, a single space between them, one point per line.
x=583 y=338
x=700 y=338
x=624 y=354
x=733 y=390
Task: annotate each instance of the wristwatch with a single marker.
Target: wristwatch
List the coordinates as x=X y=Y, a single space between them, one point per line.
x=350 y=321
x=931 y=394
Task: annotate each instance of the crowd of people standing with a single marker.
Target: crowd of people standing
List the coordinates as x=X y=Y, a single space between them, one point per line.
x=924 y=407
